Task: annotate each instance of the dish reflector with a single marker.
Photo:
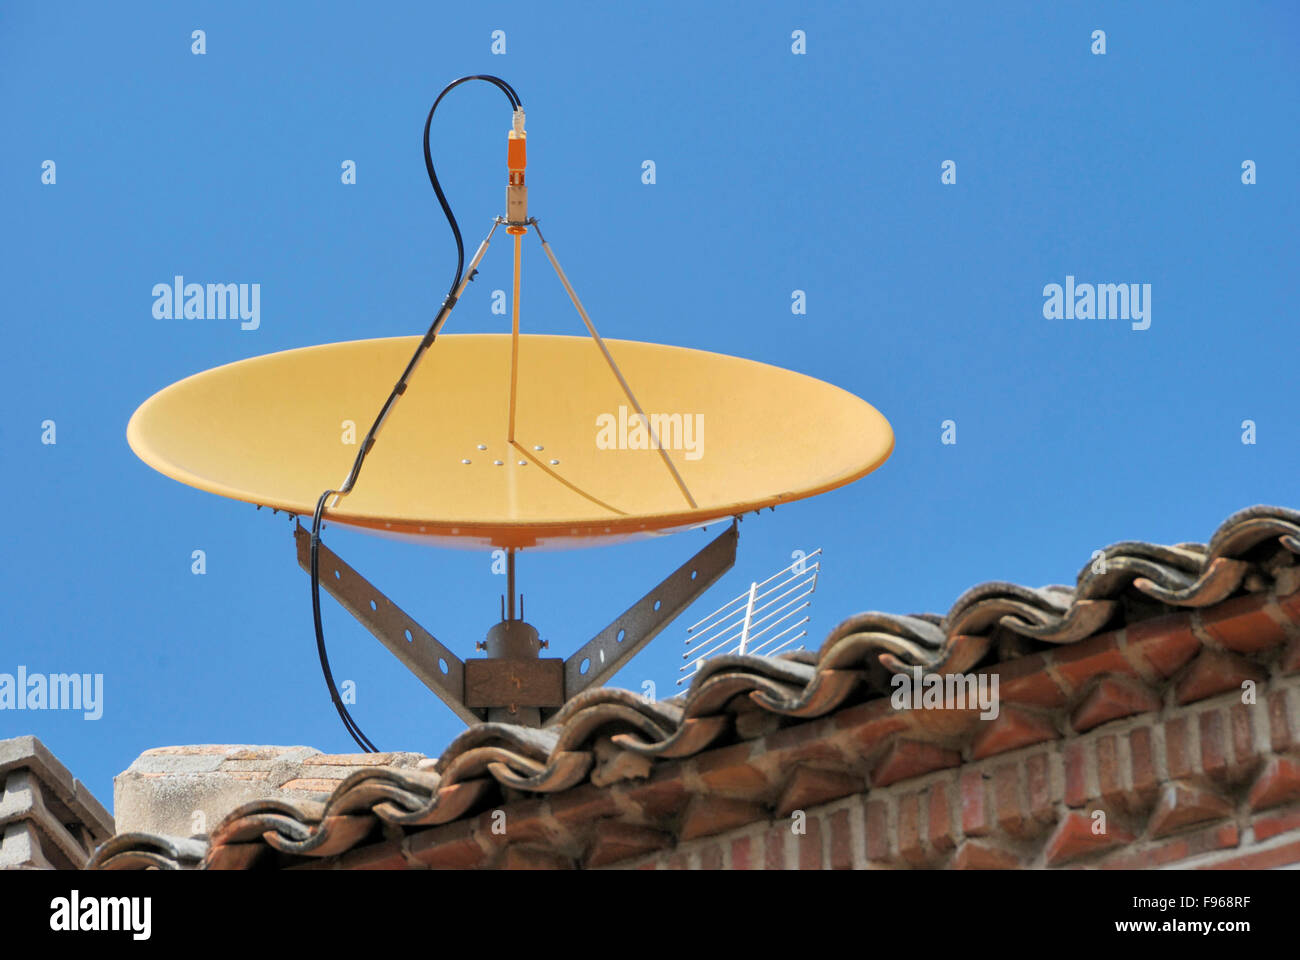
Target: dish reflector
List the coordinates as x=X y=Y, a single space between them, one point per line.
x=743 y=435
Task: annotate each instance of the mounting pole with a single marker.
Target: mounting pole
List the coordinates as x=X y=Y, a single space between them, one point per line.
x=510 y=582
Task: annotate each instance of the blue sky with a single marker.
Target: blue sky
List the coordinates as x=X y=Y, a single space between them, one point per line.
x=774 y=172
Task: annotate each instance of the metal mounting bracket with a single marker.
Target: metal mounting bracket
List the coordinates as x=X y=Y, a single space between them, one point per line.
x=516 y=680
x=640 y=623
x=422 y=654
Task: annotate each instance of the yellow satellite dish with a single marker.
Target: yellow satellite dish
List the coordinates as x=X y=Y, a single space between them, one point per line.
x=513 y=441
x=582 y=466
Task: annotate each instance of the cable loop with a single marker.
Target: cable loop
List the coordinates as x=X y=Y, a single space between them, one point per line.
x=400 y=388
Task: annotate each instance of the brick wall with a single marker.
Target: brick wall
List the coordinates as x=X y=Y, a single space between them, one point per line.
x=1210 y=784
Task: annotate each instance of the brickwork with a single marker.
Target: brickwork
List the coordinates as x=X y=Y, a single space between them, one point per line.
x=1215 y=784
x=1175 y=741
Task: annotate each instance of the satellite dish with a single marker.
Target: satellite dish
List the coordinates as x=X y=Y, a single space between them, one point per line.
x=511 y=441
x=580 y=470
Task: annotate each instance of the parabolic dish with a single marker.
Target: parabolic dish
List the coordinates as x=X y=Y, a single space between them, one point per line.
x=743 y=435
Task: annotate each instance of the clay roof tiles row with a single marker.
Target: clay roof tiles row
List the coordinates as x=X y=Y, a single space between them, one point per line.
x=607 y=735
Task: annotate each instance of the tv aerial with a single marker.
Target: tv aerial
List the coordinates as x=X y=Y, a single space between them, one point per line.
x=760 y=620
x=508 y=442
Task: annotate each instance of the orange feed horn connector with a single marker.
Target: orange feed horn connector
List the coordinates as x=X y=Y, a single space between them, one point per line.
x=516 y=161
